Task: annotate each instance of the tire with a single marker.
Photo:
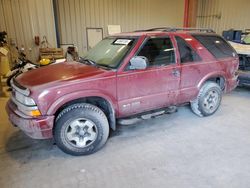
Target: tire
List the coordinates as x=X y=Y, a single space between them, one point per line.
x=208 y=99
x=81 y=129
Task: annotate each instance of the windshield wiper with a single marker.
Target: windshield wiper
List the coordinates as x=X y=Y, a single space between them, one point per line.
x=93 y=63
x=87 y=61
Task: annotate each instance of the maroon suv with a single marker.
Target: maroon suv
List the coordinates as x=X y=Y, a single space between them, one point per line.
x=126 y=74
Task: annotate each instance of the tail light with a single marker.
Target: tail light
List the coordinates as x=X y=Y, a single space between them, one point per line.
x=235 y=67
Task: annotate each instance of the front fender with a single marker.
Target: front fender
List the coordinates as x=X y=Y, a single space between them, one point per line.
x=78 y=95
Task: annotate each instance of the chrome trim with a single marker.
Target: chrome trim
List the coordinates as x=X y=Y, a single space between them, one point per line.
x=25 y=92
x=22 y=107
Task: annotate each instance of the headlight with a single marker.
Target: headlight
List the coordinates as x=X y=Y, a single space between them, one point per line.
x=25 y=104
x=29 y=101
x=24 y=99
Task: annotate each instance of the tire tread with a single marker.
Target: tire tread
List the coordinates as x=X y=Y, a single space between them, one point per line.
x=88 y=107
x=195 y=103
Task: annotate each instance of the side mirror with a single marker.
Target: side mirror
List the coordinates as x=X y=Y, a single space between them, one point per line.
x=138 y=63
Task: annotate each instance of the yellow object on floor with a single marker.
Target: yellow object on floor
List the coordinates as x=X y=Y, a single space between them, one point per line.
x=4 y=64
x=45 y=61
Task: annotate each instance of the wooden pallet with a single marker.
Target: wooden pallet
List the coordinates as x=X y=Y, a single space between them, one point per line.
x=51 y=53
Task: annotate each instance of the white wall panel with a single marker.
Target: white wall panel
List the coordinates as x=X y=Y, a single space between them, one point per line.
x=24 y=19
x=77 y=15
x=224 y=14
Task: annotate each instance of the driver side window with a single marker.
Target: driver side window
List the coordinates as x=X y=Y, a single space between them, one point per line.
x=158 y=51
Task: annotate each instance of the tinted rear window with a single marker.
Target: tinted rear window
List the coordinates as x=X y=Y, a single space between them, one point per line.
x=216 y=45
x=187 y=54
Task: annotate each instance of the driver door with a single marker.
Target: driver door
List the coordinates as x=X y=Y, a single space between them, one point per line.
x=154 y=87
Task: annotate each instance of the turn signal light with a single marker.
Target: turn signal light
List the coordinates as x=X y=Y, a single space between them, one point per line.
x=35 y=113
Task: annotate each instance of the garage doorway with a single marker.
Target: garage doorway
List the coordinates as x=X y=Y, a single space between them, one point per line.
x=94 y=35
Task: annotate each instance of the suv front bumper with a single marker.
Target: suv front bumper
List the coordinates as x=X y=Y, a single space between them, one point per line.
x=37 y=128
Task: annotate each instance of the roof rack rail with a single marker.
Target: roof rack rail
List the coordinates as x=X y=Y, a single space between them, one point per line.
x=174 y=29
x=208 y=30
x=153 y=29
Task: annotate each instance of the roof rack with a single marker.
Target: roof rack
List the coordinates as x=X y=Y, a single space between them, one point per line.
x=153 y=29
x=174 y=29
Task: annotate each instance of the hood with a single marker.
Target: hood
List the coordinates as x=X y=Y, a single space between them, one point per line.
x=57 y=73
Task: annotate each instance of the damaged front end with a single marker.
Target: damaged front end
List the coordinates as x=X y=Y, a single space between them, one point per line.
x=24 y=113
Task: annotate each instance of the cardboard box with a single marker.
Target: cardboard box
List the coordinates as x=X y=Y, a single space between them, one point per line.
x=4 y=61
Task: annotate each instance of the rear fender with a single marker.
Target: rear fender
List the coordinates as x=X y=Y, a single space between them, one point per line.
x=210 y=76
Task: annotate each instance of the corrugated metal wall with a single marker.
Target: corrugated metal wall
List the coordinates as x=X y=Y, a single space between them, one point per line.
x=224 y=14
x=24 y=19
x=76 y=15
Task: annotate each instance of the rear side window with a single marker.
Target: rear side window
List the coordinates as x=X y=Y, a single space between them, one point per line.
x=187 y=54
x=216 y=45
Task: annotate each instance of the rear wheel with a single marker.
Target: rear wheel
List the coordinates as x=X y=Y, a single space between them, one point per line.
x=81 y=129
x=208 y=99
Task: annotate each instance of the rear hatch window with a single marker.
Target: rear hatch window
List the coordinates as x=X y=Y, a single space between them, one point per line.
x=216 y=45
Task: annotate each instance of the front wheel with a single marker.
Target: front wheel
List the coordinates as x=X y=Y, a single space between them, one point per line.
x=208 y=99
x=81 y=129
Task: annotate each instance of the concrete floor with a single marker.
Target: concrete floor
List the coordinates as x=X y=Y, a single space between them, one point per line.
x=177 y=150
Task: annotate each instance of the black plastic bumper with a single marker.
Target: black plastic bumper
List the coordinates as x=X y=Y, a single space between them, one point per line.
x=244 y=78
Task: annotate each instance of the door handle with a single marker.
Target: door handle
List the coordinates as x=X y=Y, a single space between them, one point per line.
x=176 y=72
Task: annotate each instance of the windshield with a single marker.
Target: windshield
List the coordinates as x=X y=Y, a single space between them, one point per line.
x=110 y=51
